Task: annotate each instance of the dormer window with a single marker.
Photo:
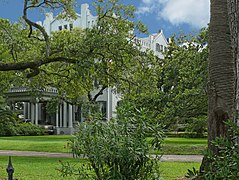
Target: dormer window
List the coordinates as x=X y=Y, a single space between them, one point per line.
x=157 y=47
x=59 y=28
x=71 y=27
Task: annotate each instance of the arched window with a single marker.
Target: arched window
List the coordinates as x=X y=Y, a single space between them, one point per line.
x=157 y=47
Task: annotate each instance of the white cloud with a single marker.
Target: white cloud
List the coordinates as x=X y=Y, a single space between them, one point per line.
x=193 y=12
x=143 y=10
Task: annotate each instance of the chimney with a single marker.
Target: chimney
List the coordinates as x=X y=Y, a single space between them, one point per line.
x=47 y=22
x=84 y=13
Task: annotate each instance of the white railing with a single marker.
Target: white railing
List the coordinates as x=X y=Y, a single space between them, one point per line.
x=23 y=89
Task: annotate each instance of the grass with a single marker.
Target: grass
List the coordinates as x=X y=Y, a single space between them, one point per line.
x=176 y=170
x=59 y=144
x=35 y=143
x=184 y=146
x=38 y=168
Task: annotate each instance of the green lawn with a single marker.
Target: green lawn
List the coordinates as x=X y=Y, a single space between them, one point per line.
x=176 y=170
x=37 y=168
x=180 y=146
x=28 y=168
x=59 y=144
x=184 y=146
x=35 y=143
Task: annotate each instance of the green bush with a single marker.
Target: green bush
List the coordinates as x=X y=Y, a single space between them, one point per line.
x=8 y=123
x=11 y=125
x=117 y=149
x=28 y=129
x=197 y=126
x=225 y=164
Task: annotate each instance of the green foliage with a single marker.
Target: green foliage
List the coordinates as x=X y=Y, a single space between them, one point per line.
x=197 y=126
x=225 y=164
x=3 y=104
x=29 y=129
x=192 y=173
x=111 y=42
x=118 y=149
x=51 y=106
x=174 y=89
x=10 y=125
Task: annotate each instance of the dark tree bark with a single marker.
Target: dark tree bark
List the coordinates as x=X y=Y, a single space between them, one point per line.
x=233 y=8
x=221 y=74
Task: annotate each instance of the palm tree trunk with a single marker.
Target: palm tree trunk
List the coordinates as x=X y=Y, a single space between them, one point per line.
x=233 y=8
x=221 y=74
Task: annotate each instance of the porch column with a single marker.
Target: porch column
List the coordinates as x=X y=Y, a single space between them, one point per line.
x=32 y=112
x=28 y=110
x=108 y=104
x=65 y=114
x=57 y=116
x=70 y=116
x=81 y=114
x=60 y=115
x=37 y=111
x=25 y=113
x=40 y=111
x=74 y=114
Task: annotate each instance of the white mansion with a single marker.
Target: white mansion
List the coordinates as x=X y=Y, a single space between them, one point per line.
x=66 y=116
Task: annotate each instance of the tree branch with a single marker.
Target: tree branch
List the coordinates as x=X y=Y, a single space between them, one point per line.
x=34 y=64
x=39 y=27
x=99 y=93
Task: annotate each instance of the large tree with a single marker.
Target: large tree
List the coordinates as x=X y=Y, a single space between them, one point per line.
x=221 y=75
x=222 y=72
x=70 y=60
x=173 y=89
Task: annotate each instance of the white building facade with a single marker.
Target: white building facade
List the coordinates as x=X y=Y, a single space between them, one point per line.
x=67 y=115
x=155 y=42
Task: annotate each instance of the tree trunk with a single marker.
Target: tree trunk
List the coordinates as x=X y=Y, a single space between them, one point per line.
x=233 y=9
x=221 y=74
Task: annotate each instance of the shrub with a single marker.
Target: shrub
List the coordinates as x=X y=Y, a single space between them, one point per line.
x=225 y=165
x=117 y=149
x=28 y=129
x=11 y=125
x=197 y=126
x=8 y=122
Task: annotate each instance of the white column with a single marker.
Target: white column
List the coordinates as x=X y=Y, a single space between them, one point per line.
x=32 y=112
x=65 y=114
x=108 y=104
x=81 y=114
x=70 y=116
x=60 y=115
x=37 y=111
x=57 y=117
x=25 y=110
x=40 y=111
x=74 y=114
x=28 y=110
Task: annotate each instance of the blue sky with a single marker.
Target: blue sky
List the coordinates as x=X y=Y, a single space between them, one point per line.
x=172 y=16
